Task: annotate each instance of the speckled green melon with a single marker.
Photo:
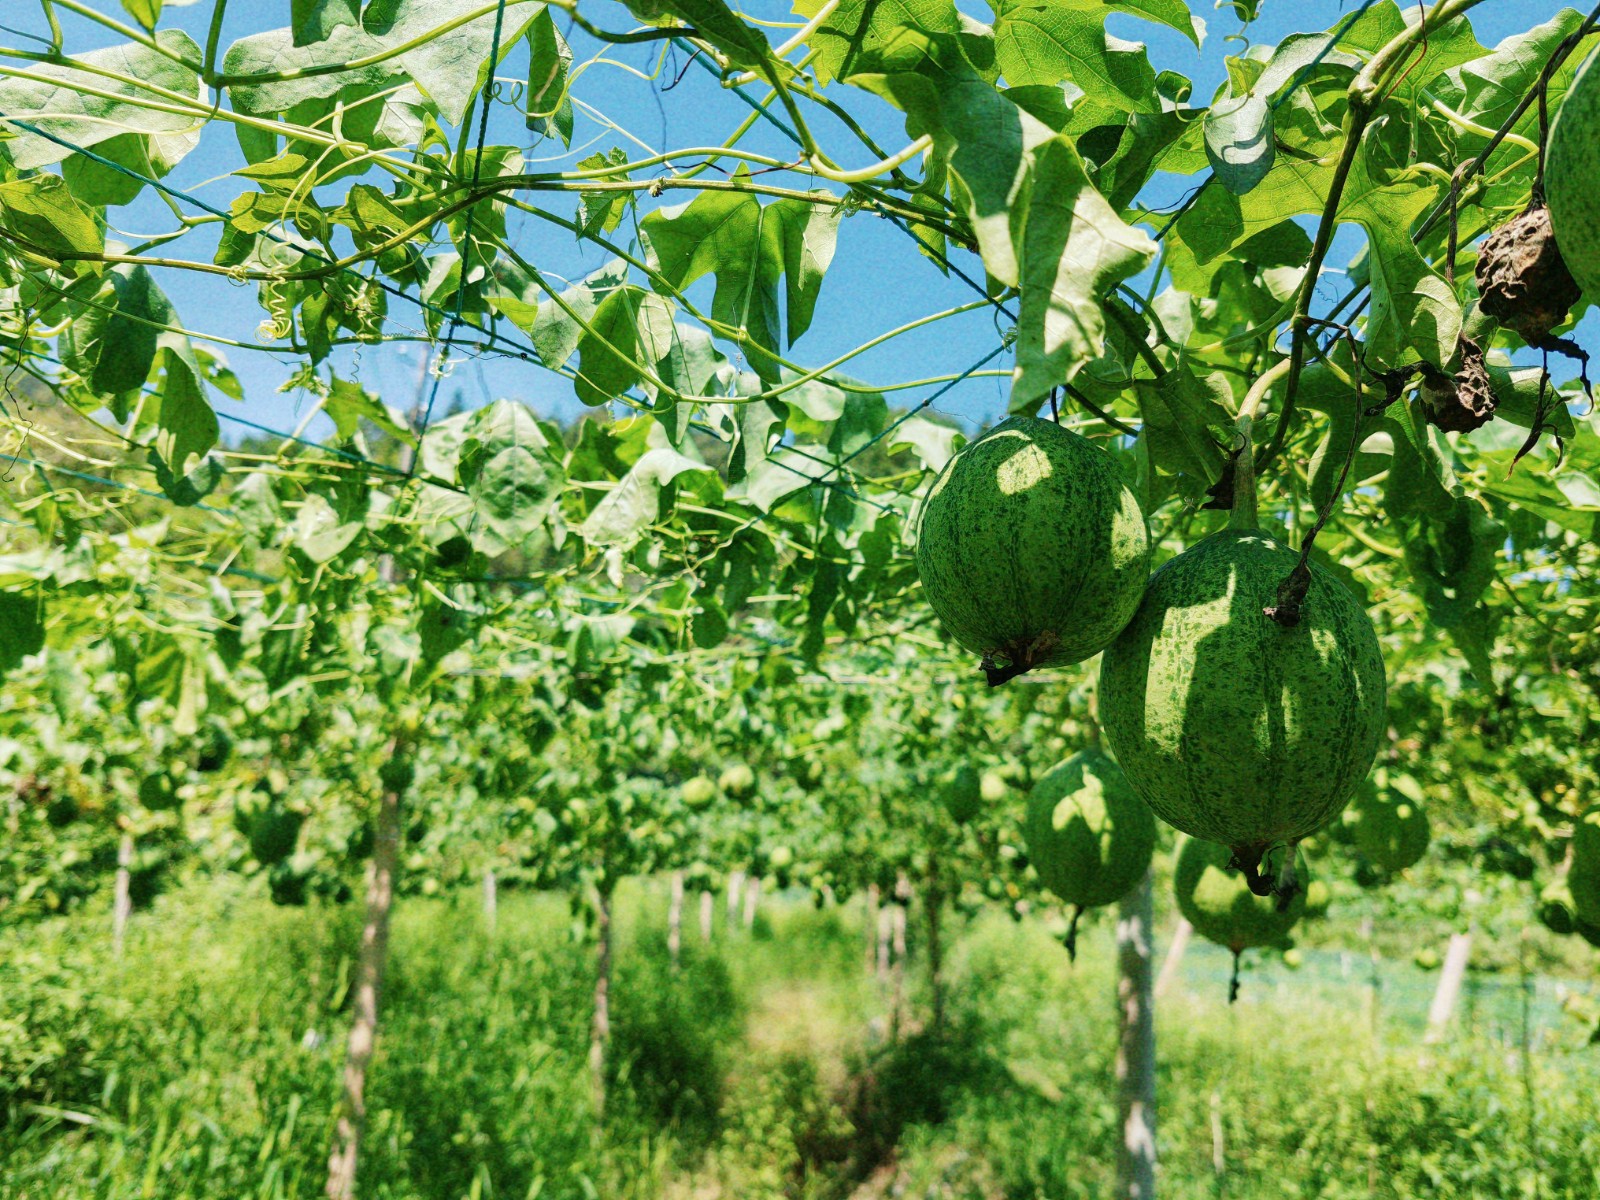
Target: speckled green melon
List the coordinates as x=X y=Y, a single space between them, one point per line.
x=1089 y=836
x=1233 y=728
x=1030 y=548
x=961 y=793
x=1220 y=905
x=1583 y=872
x=1572 y=165
x=1391 y=827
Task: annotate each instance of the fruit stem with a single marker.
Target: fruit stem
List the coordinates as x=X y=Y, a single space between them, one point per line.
x=1243 y=513
x=1233 y=980
x=1070 y=941
x=1244 y=473
x=1288 y=880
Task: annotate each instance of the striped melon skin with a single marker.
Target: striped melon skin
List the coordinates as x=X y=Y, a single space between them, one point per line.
x=1219 y=904
x=1572 y=162
x=1030 y=547
x=1233 y=728
x=1089 y=836
x=1583 y=877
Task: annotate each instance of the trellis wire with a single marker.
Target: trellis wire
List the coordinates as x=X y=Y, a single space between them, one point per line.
x=466 y=233
x=513 y=349
x=334 y=451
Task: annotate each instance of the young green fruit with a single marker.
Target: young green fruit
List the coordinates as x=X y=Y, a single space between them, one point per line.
x=1218 y=902
x=1089 y=836
x=738 y=781
x=961 y=793
x=1391 y=827
x=1221 y=907
x=157 y=793
x=1234 y=728
x=698 y=792
x=1572 y=158
x=1583 y=875
x=1031 y=549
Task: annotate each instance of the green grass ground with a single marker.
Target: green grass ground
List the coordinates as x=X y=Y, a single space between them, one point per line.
x=205 y=1066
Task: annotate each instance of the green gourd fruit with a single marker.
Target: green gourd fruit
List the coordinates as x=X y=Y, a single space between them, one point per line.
x=1390 y=825
x=1089 y=836
x=1572 y=159
x=1219 y=904
x=1583 y=874
x=1236 y=728
x=961 y=793
x=1031 y=549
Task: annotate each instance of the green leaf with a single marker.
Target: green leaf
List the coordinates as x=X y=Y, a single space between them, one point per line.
x=43 y=212
x=61 y=103
x=99 y=185
x=1238 y=133
x=1065 y=42
x=186 y=426
x=321 y=532
x=1186 y=422
x=112 y=341
x=858 y=34
x=1486 y=89
x=448 y=67
x=146 y=12
x=1453 y=559
x=510 y=475
x=349 y=403
x=602 y=211
x=314 y=20
x=985 y=142
x=631 y=329
x=747 y=246
x=1174 y=14
x=192 y=488
x=717 y=24
x=558 y=327
x=635 y=502
x=809 y=233
x=1072 y=248
x=21 y=626
x=549 y=111
x=1446 y=46
x=933 y=442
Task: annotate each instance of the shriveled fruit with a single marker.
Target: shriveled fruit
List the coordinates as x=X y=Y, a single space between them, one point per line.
x=1572 y=161
x=1391 y=826
x=1233 y=727
x=1219 y=904
x=1583 y=873
x=1089 y=836
x=1523 y=277
x=961 y=793
x=1461 y=402
x=1031 y=549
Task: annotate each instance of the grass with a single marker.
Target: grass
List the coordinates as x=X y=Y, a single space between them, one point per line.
x=205 y=1065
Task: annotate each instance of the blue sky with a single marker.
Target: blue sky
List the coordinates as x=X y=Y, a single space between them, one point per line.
x=878 y=279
